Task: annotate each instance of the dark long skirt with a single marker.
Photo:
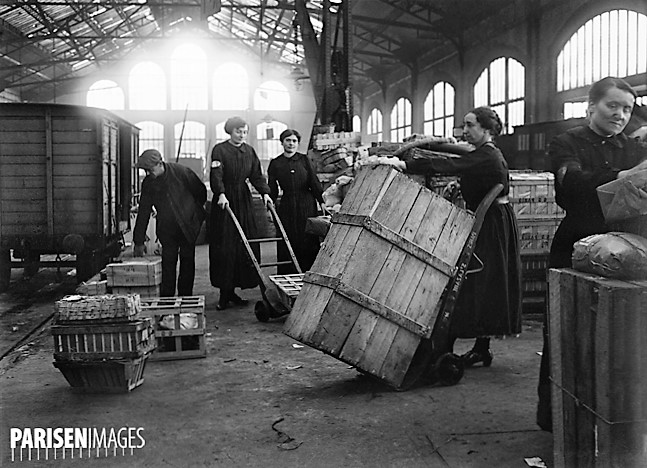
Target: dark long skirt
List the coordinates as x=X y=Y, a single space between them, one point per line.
x=229 y=263
x=293 y=210
x=489 y=302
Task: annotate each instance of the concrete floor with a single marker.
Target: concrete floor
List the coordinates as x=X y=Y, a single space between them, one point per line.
x=260 y=399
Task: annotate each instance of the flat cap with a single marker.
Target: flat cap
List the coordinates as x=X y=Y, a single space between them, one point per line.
x=149 y=159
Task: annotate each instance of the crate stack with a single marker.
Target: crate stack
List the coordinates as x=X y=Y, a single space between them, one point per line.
x=142 y=275
x=532 y=196
x=101 y=343
x=179 y=324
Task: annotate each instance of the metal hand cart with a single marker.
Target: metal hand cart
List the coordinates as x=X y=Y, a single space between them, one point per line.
x=278 y=291
x=337 y=314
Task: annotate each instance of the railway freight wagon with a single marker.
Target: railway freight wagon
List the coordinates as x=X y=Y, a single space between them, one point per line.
x=67 y=180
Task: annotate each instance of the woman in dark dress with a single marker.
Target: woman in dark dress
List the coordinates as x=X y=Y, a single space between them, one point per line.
x=489 y=302
x=293 y=173
x=233 y=162
x=582 y=159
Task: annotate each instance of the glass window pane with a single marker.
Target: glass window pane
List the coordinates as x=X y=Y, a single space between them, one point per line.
x=147 y=87
x=230 y=87
x=105 y=94
x=188 y=78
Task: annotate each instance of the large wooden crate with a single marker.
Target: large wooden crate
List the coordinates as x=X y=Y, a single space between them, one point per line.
x=374 y=291
x=144 y=271
x=174 y=339
x=598 y=331
x=112 y=376
x=91 y=342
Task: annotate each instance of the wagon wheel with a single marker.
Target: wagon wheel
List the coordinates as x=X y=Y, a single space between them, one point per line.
x=449 y=369
x=5 y=269
x=262 y=311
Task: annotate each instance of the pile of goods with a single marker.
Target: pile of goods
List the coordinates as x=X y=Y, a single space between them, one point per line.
x=333 y=155
x=101 y=343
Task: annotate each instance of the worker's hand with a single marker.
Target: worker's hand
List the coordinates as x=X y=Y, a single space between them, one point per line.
x=139 y=250
x=324 y=210
x=267 y=200
x=642 y=166
x=396 y=163
x=222 y=201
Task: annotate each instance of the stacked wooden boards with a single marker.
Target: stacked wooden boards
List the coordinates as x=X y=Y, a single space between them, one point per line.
x=598 y=328
x=376 y=287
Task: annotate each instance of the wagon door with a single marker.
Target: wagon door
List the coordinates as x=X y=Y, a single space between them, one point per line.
x=110 y=161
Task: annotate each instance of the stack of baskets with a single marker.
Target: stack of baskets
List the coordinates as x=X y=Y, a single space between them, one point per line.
x=101 y=343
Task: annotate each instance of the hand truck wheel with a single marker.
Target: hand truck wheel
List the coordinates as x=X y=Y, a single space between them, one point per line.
x=262 y=311
x=449 y=369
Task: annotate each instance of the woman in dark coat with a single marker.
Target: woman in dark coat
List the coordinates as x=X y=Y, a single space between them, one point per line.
x=582 y=159
x=293 y=173
x=489 y=302
x=233 y=162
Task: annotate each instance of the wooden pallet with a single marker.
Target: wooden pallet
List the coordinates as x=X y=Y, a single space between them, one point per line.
x=113 y=376
x=178 y=342
x=598 y=329
x=91 y=342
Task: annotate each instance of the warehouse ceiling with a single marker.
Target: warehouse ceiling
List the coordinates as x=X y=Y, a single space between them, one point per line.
x=45 y=46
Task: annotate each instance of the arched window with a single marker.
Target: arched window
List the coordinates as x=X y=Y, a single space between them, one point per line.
x=105 y=94
x=147 y=87
x=374 y=126
x=192 y=152
x=188 y=78
x=501 y=86
x=230 y=87
x=613 y=43
x=272 y=95
x=439 y=110
x=401 y=119
x=268 y=143
x=151 y=136
x=357 y=123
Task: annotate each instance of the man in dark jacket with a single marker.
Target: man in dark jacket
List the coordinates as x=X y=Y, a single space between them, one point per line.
x=178 y=196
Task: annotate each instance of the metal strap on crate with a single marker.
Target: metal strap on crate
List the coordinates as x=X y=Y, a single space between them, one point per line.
x=367 y=302
x=396 y=239
x=579 y=402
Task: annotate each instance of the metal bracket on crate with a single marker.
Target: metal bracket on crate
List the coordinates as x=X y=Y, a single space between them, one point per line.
x=396 y=239
x=367 y=302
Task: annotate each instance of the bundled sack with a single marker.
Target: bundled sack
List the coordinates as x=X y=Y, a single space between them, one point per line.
x=624 y=198
x=615 y=255
x=335 y=194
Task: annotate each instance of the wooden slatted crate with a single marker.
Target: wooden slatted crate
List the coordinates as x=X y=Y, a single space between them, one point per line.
x=112 y=376
x=142 y=291
x=532 y=195
x=145 y=271
x=170 y=315
x=288 y=287
x=91 y=342
x=598 y=331
x=374 y=291
x=102 y=308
